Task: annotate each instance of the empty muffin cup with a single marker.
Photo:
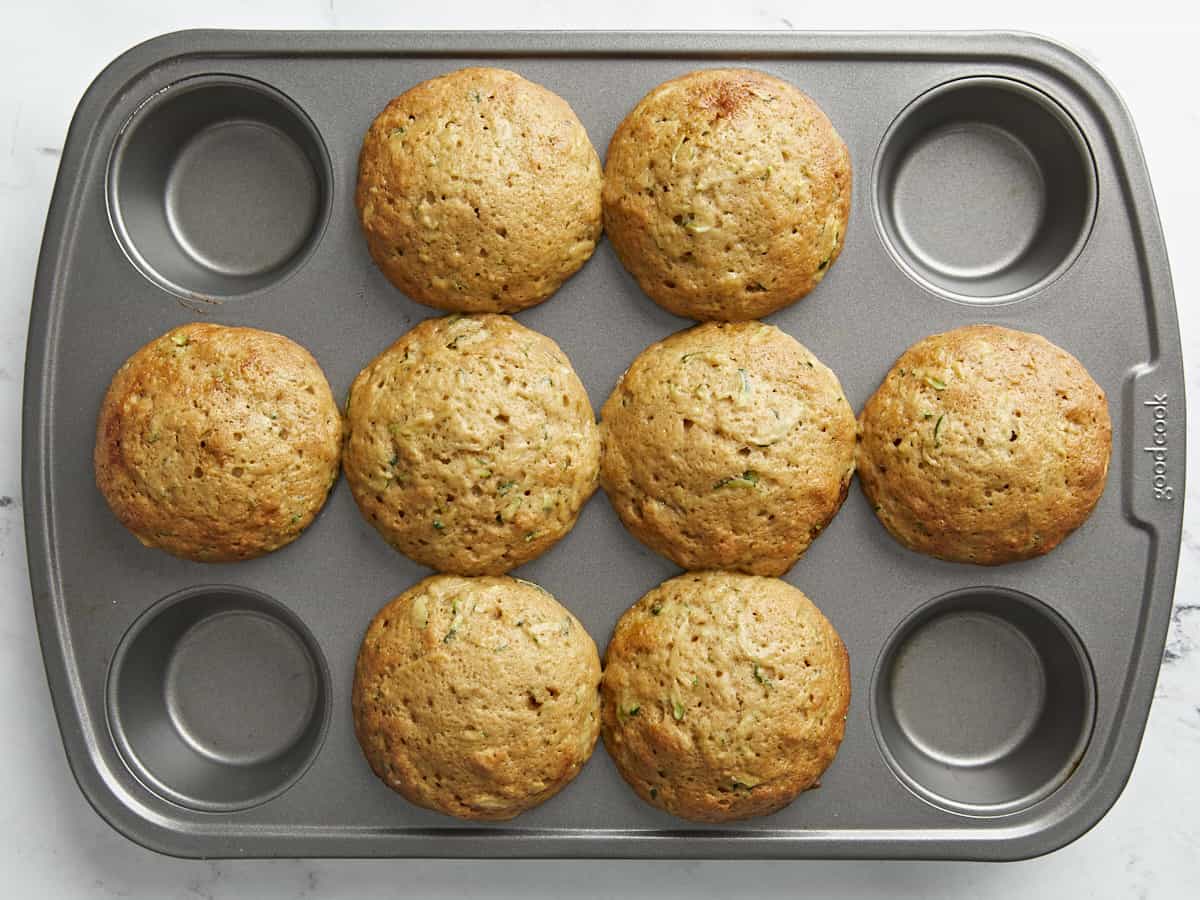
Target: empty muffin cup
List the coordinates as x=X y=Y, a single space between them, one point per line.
x=983 y=701
x=218 y=187
x=218 y=698
x=985 y=190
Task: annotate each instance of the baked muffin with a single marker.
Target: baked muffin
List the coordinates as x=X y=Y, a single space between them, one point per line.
x=984 y=445
x=217 y=443
x=472 y=445
x=476 y=697
x=479 y=191
x=726 y=194
x=724 y=695
x=727 y=446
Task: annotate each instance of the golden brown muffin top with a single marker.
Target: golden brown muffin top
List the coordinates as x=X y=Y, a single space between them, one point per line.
x=479 y=191
x=476 y=697
x=217 y=443
x=984 y=445
x=472 y=445
x=724 y=695
x=727 y=194
x=728 y=445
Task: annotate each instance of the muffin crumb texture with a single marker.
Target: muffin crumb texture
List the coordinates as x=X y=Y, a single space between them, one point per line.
x=216 y=443
x=984 y=445
x=472 y=444
x=727 y=446
x=479 y=191
x=727 y=194
x=476 y=697
x=724 y=695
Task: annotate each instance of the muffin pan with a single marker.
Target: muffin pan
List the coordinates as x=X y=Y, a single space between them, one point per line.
x=205 y=709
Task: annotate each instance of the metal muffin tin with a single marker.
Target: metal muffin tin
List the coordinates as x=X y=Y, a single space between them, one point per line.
x=997 y=712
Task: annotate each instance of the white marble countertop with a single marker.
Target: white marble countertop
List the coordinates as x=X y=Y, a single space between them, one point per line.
x=53 y=844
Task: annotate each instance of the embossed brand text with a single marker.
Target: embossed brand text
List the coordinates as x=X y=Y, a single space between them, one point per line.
x=1159 y=450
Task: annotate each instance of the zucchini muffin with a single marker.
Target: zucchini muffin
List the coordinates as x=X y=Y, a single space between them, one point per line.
x=217 y=443
x=724 y=695
x=471 y=444
x=726 y=194
x=727 y=446
x=479 y=191
x=984 y=445
x=476 y=697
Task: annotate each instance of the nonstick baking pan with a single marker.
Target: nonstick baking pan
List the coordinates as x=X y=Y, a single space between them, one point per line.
x=997 y=711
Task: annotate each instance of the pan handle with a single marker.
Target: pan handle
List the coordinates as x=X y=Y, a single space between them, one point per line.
x=1154 y=441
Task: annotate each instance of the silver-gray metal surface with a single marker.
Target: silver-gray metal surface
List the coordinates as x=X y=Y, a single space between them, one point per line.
x=983 y=701
x=218 y=698
x=984 y=190
x=995 y=727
